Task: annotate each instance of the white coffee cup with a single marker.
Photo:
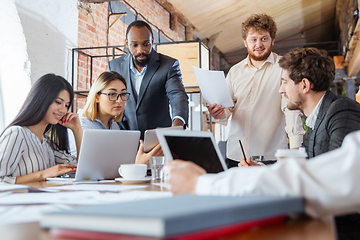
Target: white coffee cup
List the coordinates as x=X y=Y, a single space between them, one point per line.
x=285 y=154
x=133 y=171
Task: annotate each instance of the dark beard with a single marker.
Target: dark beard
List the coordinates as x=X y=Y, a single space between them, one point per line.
x=260 y=58
x=295 y=105
x=141 y=63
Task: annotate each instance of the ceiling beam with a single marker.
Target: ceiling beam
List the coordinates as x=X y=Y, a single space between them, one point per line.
x=96 y=1
x=354 y=64
x=173 y=11
x=352 y=56
x=210 y=42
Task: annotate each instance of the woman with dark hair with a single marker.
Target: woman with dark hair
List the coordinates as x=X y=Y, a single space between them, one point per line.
x=105 y=106
x=35 y=144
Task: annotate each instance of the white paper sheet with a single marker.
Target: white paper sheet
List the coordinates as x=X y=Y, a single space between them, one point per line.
x=132 y=196
x=80 y=197
x=213 y=87
x=22 y=213
x=96 y=187
x=9 y=187
x=57 y=201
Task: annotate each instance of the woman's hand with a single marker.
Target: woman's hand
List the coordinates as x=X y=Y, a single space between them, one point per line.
x=57 y=170
x=47 y=173
x=143 y=158
x=247 y=163
x=71 y=121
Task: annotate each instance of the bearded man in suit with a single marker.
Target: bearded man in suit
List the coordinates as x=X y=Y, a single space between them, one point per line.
x=154 y=80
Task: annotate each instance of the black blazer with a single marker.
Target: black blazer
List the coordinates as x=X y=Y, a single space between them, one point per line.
x=337 y=117
x=161 y=85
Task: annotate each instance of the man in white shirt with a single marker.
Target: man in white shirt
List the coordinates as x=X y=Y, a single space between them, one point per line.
x=258 y=112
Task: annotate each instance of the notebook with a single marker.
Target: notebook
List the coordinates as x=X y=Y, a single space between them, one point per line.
x=167 y=217
x=196 y=146
x=102 y=152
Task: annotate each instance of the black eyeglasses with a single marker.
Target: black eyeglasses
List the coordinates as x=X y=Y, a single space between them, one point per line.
x=115 y=96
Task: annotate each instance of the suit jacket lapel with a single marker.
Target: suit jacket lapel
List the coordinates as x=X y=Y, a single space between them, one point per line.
x=328 y=99
x=127 y=75
x=150 y=71
x=125 y=69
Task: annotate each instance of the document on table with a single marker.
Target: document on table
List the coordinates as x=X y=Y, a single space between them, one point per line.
x=15 y=213
x=23 y=213
x=96 y=187
x=11 y=187
x=213 y=87
x=80 y=197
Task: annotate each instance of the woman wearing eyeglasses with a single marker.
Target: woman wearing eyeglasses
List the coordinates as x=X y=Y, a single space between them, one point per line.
x=105 y=103
x=35 y=144
x=105 y=106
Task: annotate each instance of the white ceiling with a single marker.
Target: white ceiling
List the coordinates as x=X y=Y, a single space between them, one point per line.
x=298 y=21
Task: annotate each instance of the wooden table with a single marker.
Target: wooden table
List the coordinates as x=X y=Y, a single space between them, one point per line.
x=299 y=229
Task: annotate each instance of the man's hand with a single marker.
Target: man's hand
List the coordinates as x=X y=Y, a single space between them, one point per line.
x=183 y=176
x=143 y=157
x=216 y=111
x=177 y=122
x=247 y=163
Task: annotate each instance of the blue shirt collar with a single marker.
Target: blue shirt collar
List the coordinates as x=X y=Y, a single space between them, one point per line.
x=110 y=123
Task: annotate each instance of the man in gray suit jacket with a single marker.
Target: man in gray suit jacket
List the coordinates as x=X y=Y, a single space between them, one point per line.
x=154 y=81
x=306 y=79
x=337 y=117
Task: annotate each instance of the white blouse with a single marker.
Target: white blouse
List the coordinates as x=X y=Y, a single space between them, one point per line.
x=21 y=153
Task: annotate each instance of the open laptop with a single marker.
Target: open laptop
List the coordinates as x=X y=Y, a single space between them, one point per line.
x=102 y=152
x=196 y=146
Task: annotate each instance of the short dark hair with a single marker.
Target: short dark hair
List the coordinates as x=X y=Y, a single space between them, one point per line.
x=139 y=24
x=259 y=22
x=310 y=63
x=42 y=94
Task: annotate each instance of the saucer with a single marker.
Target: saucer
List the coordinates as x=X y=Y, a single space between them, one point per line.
x=133 y=181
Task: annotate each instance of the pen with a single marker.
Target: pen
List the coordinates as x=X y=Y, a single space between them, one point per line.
x=242 y=149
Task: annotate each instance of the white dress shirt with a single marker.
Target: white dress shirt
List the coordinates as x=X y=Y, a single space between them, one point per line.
x=311 y=120
x=136 y=77
x=329 y=183
x=136 y=80
x=258 y=113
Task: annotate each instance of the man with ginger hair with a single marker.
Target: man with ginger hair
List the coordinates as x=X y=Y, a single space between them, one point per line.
x=258 y=112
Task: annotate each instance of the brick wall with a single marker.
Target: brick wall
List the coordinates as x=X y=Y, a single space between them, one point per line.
x=93 y=22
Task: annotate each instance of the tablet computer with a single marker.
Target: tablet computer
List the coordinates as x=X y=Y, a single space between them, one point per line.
x=150 y=139
x=196 y=146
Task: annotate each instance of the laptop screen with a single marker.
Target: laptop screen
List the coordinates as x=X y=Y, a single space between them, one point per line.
x=199 y=150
